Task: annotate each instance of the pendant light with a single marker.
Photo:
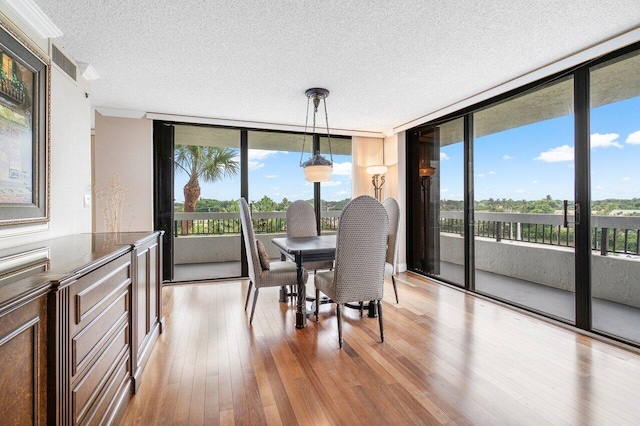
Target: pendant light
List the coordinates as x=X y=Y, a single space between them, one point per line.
x=317 y=168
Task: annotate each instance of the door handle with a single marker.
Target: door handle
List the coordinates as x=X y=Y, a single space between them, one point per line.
x=576 y=212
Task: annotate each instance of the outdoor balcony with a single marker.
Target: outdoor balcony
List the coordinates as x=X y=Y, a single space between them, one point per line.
x=524 y=259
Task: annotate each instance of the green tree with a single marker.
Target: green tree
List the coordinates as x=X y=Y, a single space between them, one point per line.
x=208 y=163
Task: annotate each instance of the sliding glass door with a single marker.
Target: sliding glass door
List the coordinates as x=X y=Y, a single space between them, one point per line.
x=206 y=188
x=615 y=195
x=523 y=175
x=436 y=213
x=550 y=193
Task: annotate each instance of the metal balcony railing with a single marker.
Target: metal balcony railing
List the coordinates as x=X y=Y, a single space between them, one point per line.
x=186 y=224
x=609 y=234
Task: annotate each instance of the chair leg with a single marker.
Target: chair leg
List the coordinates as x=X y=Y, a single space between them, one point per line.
x=395 y=289
x=317 y=303
x=339 y=313
x=361 y=308
x=380 y=319
x=246 y=302
x=253 y=308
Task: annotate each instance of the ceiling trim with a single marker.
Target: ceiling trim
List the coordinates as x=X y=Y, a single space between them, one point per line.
x=255 y=125
x=35 y=17
x=588 y=54
x=121 y=113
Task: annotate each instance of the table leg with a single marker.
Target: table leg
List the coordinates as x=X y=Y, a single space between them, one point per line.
x=301 y=305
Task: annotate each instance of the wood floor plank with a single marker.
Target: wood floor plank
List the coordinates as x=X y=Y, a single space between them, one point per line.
x=448 y=358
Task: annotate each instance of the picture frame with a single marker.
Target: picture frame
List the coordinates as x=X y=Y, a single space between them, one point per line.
x=24 y=132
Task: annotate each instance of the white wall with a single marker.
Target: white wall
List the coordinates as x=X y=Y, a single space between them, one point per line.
x=70 y=152
x=124 y=148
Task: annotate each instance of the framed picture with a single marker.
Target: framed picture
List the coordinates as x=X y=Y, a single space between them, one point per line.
x=24 y=132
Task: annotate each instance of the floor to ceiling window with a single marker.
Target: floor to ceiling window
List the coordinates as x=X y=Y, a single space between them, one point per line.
x=615 y=195
x=438 y=198
x=549 y=189
x=206 y=188
x=207 y=177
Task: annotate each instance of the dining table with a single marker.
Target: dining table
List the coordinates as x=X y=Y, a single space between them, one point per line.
x=302 y=250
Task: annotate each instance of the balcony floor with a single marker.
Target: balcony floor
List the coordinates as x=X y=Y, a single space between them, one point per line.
x=609 y=317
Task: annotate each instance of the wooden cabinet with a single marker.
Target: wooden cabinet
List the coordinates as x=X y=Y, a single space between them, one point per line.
x=74 y=339
x=147 y=299
x=23 y=362
x=92 y=356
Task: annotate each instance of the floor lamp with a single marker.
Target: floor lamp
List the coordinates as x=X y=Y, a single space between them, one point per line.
x=425 y=182
x=377 y=179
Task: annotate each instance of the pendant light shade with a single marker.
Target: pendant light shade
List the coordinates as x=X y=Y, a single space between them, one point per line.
x=317 y=168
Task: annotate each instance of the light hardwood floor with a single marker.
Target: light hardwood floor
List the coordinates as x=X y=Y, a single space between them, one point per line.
x=448 y=358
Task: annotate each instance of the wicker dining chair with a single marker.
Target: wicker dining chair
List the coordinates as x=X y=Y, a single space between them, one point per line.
x=391 y=264
x=361 y=248
x=278 y=273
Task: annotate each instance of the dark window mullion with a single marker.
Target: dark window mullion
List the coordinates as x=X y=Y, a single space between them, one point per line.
x=469 y=235
x=583 y=199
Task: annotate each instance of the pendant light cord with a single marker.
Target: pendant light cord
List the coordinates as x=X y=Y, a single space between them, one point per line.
x=326 y=118
x=304 y=138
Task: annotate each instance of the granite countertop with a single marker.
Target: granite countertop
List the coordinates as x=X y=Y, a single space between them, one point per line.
x=28 y=271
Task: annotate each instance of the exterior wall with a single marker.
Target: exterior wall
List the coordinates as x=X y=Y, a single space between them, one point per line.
x=221 y=248
x=124 y=148
x=550 y=266
x=70 y=152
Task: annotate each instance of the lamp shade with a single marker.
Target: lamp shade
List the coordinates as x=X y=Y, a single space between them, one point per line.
x=317 y=169
x=426 y=171
x=317 y=173
x=377 y=170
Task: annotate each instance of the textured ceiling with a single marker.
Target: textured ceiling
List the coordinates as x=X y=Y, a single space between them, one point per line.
x=384 y=62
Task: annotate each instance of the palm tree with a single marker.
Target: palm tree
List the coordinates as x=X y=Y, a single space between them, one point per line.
x=210 y=163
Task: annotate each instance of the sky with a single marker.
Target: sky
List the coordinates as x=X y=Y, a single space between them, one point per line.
x=278 y=175
x=536 y=160
x=524 y=163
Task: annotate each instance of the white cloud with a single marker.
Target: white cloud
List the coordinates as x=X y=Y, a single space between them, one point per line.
x=444 y=156
x=480 y=175
x=258 y=155
x=599 y=187
x=535 y=182
x=444 y=190
x=271 y=176
x=492 y=172
x=332 y=183
x=255 y=165
x=520 y=191
x=344 y=192
x=634 y=138
x=342 y=169
x=625 y=179
x=261 y=154
x=605 y=141
x=554 y=155
x=507 y=157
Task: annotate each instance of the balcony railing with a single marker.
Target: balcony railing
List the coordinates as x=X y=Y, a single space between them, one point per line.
x=186 y=224
x=609 y=234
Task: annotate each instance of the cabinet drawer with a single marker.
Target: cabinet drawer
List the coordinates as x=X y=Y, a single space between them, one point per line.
x=90 y=387
x=106 y=406
x=95 y=335
x=93 y=292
